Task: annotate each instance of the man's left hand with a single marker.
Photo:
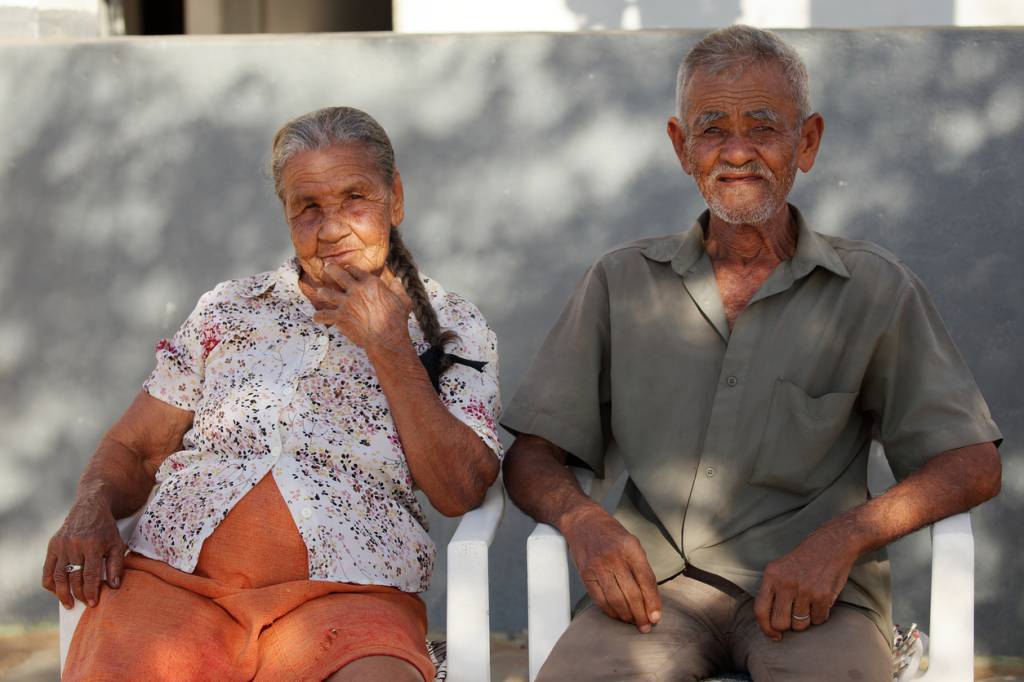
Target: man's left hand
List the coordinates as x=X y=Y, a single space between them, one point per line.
x=369 y=312
x=799 y=589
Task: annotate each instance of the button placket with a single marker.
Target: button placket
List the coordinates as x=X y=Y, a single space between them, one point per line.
x=712 y=482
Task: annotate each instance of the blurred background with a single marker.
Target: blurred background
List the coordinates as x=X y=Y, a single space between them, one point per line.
x=135 y=135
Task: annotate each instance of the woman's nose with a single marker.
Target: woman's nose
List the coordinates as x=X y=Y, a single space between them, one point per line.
x=332 y=228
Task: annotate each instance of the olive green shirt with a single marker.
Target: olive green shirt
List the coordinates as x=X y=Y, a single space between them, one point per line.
x=739 y=444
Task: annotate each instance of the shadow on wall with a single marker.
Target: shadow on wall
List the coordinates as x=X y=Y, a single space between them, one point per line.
x=135 y=183
x=125 y=197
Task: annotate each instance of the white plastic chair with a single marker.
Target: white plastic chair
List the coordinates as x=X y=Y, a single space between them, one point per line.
x=468 y=632
x=951 y=628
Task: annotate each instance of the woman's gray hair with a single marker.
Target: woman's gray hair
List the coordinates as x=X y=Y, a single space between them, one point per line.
x=344 y=125
x=737 y=47
x=327 y=127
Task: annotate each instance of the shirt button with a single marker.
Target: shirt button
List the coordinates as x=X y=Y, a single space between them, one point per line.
x=306 y=512
x=709 y=472
x=732 y=381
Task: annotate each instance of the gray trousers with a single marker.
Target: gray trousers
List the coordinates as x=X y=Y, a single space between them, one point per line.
x=709 y=629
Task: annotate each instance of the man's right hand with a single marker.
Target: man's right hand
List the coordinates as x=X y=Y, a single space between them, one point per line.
x=614 y=567
x=89 y=538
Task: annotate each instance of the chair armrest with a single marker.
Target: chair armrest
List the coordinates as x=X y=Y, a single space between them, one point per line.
x=547 y=586
x=547 y=592
x=468 y=609
x=951 y=626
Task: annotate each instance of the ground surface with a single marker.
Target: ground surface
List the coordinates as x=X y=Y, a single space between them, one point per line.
x=31 y=656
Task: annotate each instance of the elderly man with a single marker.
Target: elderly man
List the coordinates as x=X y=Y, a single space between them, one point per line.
x=740 y=370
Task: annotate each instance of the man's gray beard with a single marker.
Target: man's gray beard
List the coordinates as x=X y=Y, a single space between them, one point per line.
x=754 y=215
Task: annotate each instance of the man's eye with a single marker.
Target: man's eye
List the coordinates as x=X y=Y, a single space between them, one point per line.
x=713 y=130
x=311 y=206
x=764 y=129
x=355 y=195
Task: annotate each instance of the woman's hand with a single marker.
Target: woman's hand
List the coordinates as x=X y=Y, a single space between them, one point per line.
x=369 y=312
x=116 y=483
x=89 y=538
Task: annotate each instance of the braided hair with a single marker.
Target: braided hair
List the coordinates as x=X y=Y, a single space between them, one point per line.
x=402 y=265
x=345 y=125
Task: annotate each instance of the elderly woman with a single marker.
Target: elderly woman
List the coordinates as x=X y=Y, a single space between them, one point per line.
x=288 y=423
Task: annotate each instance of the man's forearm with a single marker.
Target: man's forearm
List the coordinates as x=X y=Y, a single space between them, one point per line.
x=950 y=483
x=541 y=485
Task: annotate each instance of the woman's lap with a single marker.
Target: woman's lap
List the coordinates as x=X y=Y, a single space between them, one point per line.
x=150 y=629
x=233 y=620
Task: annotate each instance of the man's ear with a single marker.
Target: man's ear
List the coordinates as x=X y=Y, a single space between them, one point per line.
x=810 y=141
x=677 y=133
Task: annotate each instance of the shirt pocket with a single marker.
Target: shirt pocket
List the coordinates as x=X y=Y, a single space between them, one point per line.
x=799 y=433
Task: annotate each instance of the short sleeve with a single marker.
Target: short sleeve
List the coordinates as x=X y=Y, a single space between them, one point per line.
x=919 y=388
x=177 y=378
x=472 y=395
x=564 y=397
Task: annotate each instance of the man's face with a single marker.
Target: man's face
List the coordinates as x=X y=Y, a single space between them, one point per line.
x=742 y=141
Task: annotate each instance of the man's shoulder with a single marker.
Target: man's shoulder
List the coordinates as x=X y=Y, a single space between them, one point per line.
x=867 y=260
x=658 y=248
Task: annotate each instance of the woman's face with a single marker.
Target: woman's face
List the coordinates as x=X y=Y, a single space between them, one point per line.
x=340 y=209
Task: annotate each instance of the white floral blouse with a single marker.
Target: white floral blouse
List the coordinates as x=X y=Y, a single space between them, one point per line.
x=274 y=391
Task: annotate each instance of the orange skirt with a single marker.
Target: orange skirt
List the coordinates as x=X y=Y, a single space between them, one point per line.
x=248 y=612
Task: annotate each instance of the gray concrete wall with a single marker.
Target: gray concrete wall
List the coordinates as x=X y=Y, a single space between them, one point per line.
x=131 y=178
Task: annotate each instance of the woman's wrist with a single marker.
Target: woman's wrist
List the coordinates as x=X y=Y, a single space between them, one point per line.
x=395 y=357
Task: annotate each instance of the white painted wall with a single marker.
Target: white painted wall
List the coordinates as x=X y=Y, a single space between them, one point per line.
x=460 y=16
x=50 y=18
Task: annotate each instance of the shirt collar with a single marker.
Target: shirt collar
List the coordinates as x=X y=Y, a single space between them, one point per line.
x=686 y=248
x=285 y=278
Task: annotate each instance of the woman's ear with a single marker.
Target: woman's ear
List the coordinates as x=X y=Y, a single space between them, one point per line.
x=397 y=200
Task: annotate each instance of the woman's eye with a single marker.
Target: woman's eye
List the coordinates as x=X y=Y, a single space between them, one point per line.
x=311 y=206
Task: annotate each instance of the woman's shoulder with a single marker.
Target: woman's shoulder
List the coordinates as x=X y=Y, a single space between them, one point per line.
x=236 y=292
x=453 y=310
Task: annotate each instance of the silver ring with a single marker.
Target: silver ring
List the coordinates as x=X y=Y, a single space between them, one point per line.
x=796 y=617
x=71 y=568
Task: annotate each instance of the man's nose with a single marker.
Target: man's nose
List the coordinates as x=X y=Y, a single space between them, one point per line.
x=737 y=150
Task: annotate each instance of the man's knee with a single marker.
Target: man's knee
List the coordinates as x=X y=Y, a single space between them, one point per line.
x=848 y=647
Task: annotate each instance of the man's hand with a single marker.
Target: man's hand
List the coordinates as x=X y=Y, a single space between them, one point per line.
x=614 y=568
x=367 y=311
x=799 y=589
x=89 y=538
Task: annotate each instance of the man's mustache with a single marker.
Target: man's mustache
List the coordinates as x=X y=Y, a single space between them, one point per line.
x=752 y=168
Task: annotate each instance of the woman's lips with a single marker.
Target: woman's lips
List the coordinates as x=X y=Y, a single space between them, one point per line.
x=338 y=255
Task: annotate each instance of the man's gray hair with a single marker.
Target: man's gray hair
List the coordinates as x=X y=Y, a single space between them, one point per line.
x=325 y=128
x=738 y=47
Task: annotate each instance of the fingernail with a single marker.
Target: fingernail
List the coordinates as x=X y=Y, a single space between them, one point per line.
x=68 y=606
x=645 y=629
x=655 y=616
x=115 y=583
x=92 y=602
